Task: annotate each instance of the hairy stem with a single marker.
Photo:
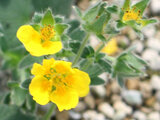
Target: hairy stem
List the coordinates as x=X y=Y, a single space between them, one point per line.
x=81 y=49
x=49 y=112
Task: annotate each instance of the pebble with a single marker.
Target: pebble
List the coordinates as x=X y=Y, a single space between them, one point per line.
x=153 y=43
x=158 y=96
x=121 y=106
x=106 y=109
x=90 y=101
x=153 y=58
x=115 y=89
x=132 y=84
x=146 y=89
x=99 y=90
x=149 y=31
x=138 y=115
x=132 y=97
x=80 y=107
x=154 y=116
x=155 y=82
x=75 y=115
x=120 y=115
x=93 y=115
x=155 y=6
x=139 y=46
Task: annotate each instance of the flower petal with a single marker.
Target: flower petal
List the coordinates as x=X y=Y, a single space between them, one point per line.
x=40 y=88
x=65 y=100
x=26 y=34
x=80 y=82
x=37 y=69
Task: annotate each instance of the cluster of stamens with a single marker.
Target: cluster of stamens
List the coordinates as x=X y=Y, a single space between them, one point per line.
x=131 y=14
x=47 y=32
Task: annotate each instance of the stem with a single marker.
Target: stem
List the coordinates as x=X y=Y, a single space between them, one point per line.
x=49 y=113
x=81 y=49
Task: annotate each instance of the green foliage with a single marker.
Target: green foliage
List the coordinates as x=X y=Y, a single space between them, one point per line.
x=28 y=60
x=48 y=18
x=13 y=113
x=128 y=65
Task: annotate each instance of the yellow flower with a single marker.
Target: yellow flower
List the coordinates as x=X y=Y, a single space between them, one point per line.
x=38 y=43
x=57 y=82
x=111 y=47
x=131 y=14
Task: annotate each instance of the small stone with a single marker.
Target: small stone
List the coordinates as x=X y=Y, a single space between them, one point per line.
x=120 y=115
x=64 y=115
x=121 y=106
x=115 y=87
x=153 y=43
x=154 y=116
x=149 y=31
x=145 y=110
x=90 y=101
x=139 y=46
x=115 y=98
x=146 y=89
x=155 y=82
x=93 y=115
x=153 y=58
x=80 y=107
x=106 y=109
x=150 y=101
x=138 y=115
x=132 y=84
x=155 y=6
x=74 y=115
x=132 y=97
x=99 y=90
x=158 y=96
x=156 y=106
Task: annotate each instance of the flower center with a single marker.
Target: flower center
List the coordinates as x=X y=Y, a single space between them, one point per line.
x=58 y=79
x=47 y=33
x=131 y=15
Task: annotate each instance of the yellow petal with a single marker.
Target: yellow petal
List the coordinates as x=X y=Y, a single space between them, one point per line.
x=37 y=69
x=62 y=66
x=65 y=100
x=47 y=63
x=80 y=82
x=111 y=47
x=40 y=88
x=26 y=34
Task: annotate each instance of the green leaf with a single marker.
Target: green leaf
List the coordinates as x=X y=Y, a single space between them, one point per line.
x=126 y=5
x=146 y=22
x=88 y=52
x=112 y=9
x=74 y=24
x=78 y=11
x=13 y=113
x=97 y=81
x=37 y=27
x=106 y=65
x=97 y=26
x=37 y=17
x=140 y=6
x=48 y=18
x=58 y=19
x=110 y=29
x=101 y=37
x=74 y=46
x=120 y=24
x=25 y=84
x=12 y=84
x=94 y=70
x=30 y=103
x=78 y=34
x=7 y=98
x=121 y=81
x=92 y=13
x=18 y=96
x=59 y=28
x=28 y=60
